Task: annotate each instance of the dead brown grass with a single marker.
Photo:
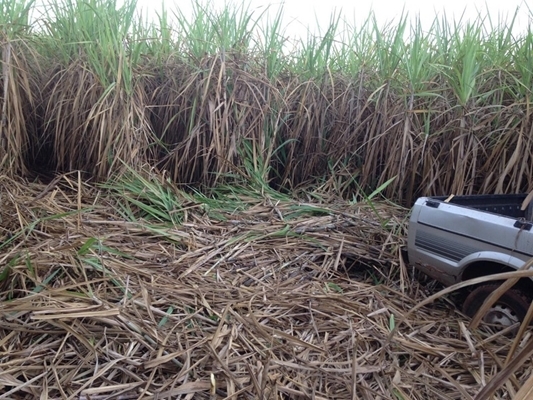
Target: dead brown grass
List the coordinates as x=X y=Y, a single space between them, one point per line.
x=18 y=101
x=257 y=306
x=206 y=121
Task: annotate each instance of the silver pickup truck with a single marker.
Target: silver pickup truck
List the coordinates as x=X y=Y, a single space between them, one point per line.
x=463 y=237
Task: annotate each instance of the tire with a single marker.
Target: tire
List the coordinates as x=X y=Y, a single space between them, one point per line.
x=509 y=309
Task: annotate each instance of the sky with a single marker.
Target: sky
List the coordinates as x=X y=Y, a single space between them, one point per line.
x=303 y=14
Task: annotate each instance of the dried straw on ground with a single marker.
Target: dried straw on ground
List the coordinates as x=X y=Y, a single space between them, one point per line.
x=258 y=306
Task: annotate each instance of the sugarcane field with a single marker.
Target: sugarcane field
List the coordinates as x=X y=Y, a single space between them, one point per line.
x=199 y=207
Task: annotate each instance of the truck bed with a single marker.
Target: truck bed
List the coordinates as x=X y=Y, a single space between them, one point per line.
x=507 y=205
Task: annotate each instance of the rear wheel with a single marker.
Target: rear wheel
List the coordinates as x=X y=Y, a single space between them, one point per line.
x=509 y=309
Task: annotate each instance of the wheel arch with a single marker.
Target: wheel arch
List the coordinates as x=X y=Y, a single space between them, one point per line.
x=485 y=267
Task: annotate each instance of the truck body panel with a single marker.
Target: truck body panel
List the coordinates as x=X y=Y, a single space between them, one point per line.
x=445 y=237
